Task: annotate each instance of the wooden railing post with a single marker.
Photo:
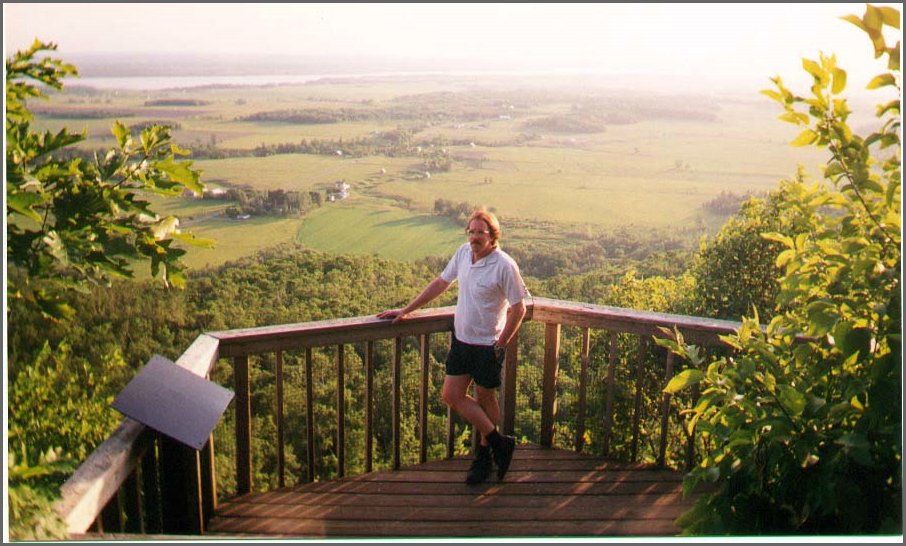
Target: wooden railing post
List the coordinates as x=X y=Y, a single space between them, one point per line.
x=508 y=392
x=111 y=520
x=612 y=359
x=281 y=439
x=151 y=485
x=309 y=418
x=423 y=396
x=395 y=403
x=341 y=412
x=243 y=425
x=369 y=396
x=208 y=479
x=549 y=394
x=665 y=412
x=133 y=509
x=583 y=382
x=180 y=486
x=637 y=412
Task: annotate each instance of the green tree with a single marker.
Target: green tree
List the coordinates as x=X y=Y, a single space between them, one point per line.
x=737 y=271
x=72 y=222
x=801 y=427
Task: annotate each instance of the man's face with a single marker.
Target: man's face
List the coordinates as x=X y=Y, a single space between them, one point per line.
x=479 y=238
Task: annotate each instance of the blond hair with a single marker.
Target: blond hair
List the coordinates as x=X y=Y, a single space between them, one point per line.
x=490 y=220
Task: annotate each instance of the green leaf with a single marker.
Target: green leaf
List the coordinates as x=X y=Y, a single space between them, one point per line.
x=785 y=240
x=813 y=68
x=682 y=380
x=772 y=94
x=854 y=20
x=839 y=81
x=852 y=340
x=181 y=173
x=890 y=16
x=22 y=203
x=793 y=401
x=856 y=446
x=881 y=80
x=822 y=317
x=121 y=133
x=165 y=227
x=805 y=138
x=796 y=118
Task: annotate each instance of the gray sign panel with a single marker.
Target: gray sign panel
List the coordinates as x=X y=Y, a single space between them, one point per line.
x=174 y=401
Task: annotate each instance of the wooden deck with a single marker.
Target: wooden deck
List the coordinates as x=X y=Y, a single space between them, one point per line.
x=547 y=493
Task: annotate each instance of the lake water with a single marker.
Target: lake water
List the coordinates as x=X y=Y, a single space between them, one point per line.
x=151 y=83
x=180 y=82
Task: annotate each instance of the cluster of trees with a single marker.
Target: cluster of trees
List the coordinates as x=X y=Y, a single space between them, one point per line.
x=566 y=124
x=457 y=211
x=622 y=110
x=312 y=116
x=727 y=202
x=177 y=102
x=85 y=113
x=800 y=433
x=137 y=128
x=271 y=202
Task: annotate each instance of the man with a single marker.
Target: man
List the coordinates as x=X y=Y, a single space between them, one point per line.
x=489 y=310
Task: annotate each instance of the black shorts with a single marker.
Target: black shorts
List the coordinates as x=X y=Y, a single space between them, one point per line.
x=482 y=362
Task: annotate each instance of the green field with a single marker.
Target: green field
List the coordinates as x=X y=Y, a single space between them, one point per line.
x=656 y=171
x=386 y=231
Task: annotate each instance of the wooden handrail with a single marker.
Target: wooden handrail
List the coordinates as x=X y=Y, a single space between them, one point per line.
x=98 y=481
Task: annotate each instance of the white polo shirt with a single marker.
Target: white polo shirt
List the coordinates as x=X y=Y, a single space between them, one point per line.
x=486 y=290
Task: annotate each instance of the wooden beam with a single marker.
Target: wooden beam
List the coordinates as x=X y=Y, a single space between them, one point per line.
x=549 y=393
x=637 y=412
x=281 y=438
x=424 y=343
x=309 y=418
x=180 y=485
x=341 y=412
x=97 y=480
x=583 y=384
x=331 y=332
x=395 y=403
x=243 y=425
x=369 y=401
x=613 y=358
x=508 y=392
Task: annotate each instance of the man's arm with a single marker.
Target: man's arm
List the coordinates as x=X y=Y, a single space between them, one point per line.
x=514 y=316
x=434 y=289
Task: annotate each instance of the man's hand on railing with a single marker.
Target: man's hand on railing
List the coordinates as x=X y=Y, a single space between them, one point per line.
x=395 y=314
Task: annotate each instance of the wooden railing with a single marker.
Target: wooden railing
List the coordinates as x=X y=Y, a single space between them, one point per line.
x=140 y=481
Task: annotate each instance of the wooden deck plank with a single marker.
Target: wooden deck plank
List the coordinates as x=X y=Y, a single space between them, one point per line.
x=547 y=493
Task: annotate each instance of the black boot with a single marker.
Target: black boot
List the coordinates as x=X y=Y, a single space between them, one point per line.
x=481 y=466
x=502 y=447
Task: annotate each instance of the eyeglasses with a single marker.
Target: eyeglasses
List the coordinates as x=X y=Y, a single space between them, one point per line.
x=471 y=232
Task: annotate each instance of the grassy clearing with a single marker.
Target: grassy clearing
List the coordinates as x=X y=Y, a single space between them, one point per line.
x=350 y=228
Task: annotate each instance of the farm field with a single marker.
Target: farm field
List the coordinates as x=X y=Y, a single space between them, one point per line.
x=550 y=159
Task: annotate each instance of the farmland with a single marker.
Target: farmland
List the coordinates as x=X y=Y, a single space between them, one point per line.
x=551 y=158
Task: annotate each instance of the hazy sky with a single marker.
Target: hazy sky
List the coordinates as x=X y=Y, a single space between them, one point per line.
x=751 y=42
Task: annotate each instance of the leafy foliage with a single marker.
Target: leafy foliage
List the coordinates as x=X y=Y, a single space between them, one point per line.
x=802 y=425
x=737 y=272
x=30 y=513
x=72 y=222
